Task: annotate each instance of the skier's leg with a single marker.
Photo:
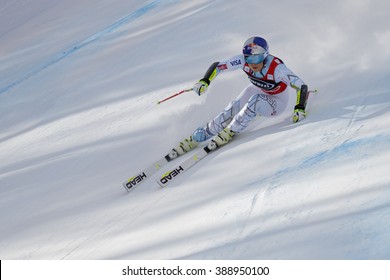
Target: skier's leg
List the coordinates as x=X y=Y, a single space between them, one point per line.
x=262 y=104
x=225 y=117
x=259 y=104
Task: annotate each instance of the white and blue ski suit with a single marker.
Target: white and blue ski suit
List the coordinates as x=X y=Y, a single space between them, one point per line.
x=267 y=95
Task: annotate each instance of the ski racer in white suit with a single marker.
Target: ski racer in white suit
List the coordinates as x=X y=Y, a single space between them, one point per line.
x=267 y=95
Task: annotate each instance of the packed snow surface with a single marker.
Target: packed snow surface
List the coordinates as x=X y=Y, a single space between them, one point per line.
x=79 y=81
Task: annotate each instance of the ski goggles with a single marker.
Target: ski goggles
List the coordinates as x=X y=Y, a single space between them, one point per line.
x=254 y=58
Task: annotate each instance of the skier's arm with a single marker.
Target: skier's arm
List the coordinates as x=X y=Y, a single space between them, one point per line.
x=201 y=86
x=236 y=62
x=300 y=105
x=302 y=95
x=287 y=76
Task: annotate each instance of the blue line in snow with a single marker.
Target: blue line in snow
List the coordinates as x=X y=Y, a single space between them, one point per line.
x=349 y=150
x=64 y=54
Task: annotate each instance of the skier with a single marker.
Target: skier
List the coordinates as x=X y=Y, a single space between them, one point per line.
x=267 y=95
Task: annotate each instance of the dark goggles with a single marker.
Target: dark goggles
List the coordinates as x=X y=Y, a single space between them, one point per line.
x=254 y=58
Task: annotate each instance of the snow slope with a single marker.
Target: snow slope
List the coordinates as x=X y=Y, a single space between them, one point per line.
x=79 y=81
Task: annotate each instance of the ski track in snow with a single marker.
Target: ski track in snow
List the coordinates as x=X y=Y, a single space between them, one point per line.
x=88 y=41
x=348 y=150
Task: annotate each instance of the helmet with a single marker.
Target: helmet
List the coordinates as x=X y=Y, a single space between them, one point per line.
x=257 y=47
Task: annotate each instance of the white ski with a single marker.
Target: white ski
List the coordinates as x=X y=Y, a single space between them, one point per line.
x=185 y=146
x=169 y=176
x=148 y=171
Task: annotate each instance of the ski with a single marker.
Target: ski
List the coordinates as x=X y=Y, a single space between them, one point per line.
x=182 y=148
x=169 y=176
x=140 y=177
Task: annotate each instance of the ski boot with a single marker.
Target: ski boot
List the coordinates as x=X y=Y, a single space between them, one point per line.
x=183 y=147
x=221 y=139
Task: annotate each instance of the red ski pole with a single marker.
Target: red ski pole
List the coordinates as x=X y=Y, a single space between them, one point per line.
x=174 y=95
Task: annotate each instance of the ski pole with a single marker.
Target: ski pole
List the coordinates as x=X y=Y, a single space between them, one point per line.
x=174 y=95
